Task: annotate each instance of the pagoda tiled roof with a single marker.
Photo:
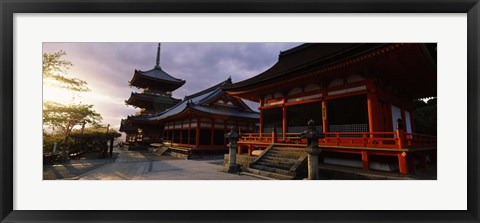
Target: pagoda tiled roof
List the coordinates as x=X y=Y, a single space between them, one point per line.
x=158 y=74
x=154 y=98
x=141 y=117
x=125 y=126
x=155 y=79
x=199 y=102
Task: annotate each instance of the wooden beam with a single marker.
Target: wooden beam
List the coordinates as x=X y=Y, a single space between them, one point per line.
x=181 y=132
x=261 y=124
x=284 y=122
x=250 y=150
x=173 y=132
x=189 y=128
x=197 y=135
x=372 y=104
x=365 y=162
x=324 y=116
x=212 y=131
x=402 y=163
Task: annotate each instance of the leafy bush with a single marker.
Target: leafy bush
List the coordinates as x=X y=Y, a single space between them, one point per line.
x=50 y=139
x=91 y=139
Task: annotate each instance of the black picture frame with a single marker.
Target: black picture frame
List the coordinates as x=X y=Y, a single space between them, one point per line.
x=10 y=7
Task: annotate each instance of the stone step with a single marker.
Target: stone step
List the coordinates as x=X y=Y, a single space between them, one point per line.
x=245 y=173
x=283 y=162
x=279 y=159
x=282 y=155
x=274 y=165
x=270 y=174
x=162 y=150
x=273 y=170
x=289 y=149
x=286 y=151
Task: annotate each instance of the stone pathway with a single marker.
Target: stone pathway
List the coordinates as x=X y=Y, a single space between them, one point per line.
x=131 y=156
x=136 y=165
x=74 y=168
x=188 y=170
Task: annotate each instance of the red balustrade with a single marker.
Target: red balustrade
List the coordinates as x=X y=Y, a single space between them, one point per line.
x=350 y=139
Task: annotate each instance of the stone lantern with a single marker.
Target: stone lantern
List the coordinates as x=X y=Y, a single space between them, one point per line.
x=232 y=137
x=312 y=149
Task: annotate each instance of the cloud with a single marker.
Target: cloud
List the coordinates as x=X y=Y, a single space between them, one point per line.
x=107 y=67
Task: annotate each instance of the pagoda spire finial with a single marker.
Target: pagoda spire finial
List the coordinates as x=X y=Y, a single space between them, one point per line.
x=158 y=56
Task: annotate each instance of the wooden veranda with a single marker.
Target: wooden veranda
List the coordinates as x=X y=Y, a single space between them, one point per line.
x=400 y=144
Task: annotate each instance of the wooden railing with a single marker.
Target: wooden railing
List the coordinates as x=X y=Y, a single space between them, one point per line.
x=360 y=139
x=414 y=140
x=350 y=139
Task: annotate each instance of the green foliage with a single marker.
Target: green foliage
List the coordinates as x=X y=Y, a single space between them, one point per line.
x=63 y=118
x=425 y=116
x=55 y=69
x=50 y=139
x=95 y=133
x=93 y=139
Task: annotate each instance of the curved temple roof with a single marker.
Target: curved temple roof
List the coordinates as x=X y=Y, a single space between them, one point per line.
x=145 y=100
x=306 y=55
x=198 y=102
x=126 y=127
x=156 y=78
x=409 y=64
x=158 y=73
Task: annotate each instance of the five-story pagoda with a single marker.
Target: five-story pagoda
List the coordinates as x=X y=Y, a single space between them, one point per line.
x=156 y=96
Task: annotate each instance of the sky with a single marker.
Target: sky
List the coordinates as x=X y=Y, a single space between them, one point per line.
x=107 y=68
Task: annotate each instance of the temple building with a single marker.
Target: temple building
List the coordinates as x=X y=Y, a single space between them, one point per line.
x=156 y=96
x=200 y=121
x=360 y=96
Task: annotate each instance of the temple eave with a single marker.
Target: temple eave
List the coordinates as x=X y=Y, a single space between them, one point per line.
x=396 y=66
x=143 y=81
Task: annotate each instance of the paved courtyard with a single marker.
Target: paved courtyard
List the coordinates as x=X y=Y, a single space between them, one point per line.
x=142 y=165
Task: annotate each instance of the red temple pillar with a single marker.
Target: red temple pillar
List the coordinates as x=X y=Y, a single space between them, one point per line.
x=212 y=131
x=365 y=162
x=261 y=119
x=373 y=112
x=402 y=163
x=284 y=122
x=324 y=116
x=197 y=135
x=181 y=133
x=250 y=149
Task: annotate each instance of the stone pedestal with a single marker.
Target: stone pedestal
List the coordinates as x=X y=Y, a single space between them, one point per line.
x=312 y=150
x=232 y=166
x=313 y=163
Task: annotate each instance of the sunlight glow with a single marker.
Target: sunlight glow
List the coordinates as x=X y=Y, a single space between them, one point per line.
x=56 y=94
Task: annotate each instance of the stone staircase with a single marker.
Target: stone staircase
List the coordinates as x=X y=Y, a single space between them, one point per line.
x=162 y=150
x=283 y=163
x=180 y=152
